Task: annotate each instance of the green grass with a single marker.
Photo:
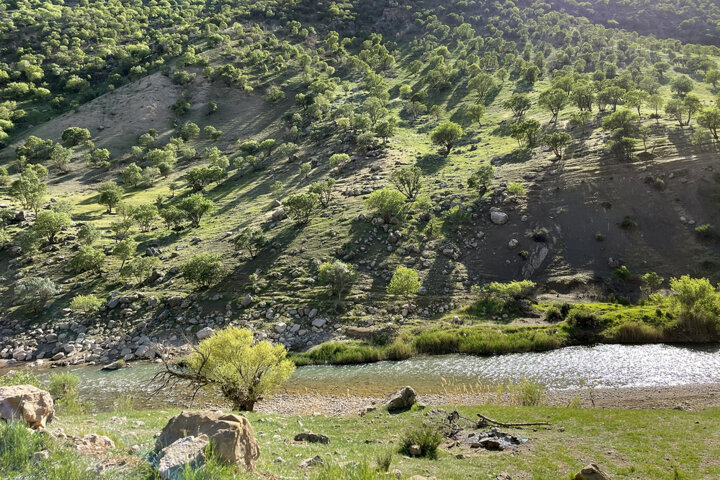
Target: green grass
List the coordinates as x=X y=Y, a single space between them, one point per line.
x=627 y=444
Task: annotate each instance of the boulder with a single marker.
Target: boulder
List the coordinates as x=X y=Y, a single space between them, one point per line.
x=278 y=215
x=312 y=438
x=93 y=443
x=591 y=472
x=204 y=333
x=247 y=300
x=403 y=399
x=232 y=435
x=311 y=462
x=28 y=403
x=498 y=218
x=185 y=451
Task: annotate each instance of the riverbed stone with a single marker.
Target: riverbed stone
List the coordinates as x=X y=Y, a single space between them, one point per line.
x=403 y=399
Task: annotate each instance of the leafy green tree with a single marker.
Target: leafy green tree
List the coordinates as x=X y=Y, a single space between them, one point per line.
x=375 y=108
x=110 y=194
x=482 y=178
x=475 y=112
x=123 y=251
x=525 y=132
x=518 y=104
x=88 y=234
x=339 y=159
x=692 y=105
x=287 y=150
x=300 y=207
x=710 y=119
x=173 y=217
x=267 y=146
x=35 y=292
x=557 y=141
x=404 y=282
x=712 y=77
x=338 y=276
x=203 y=270
x=250 y=239
x=132 y=175
x=195 y=207
x=482 y=84
x=60 y=158
x=73 y=136
x=677 y=109
x=636 y=99
x=242 y=370
x=622 y=123
x=386 y=128
x=408 y=180
x=139 y=268
x=386 y=203
x=48 y=224
x=29 y=189
x=553 y=100
x=446 y=134
x=87 y=259
x=200 y=177
x=122 y=228
x=324 y=190
x=144 y=215
x=682 y=85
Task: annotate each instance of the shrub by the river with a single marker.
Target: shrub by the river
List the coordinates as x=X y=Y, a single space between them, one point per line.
x=427 y=437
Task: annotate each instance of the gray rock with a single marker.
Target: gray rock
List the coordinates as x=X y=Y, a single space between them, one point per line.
x=204 y=333
x=247 y=300
x=499 y=218
x=319 y=322
x=173 y=458
x=403 y=399
x=311 y=462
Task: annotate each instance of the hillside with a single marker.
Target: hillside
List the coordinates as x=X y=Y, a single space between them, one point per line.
x=251 y=143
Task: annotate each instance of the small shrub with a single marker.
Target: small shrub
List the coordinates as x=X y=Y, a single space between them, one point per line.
x=516 y=189
x=584 y=320
x=427 y=437
x=622 y=272
x=705 y=231
x=530 y=394
x=627 y=224
x=86 y=303
x=553 y=315
x=19 y=377
x=384 y=460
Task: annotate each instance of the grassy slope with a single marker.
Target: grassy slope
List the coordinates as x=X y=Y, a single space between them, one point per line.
x=627 y=444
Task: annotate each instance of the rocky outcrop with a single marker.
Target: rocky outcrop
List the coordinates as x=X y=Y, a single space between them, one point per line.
x=26 y=403
x=185 y=451
x=591 y=472
x=403 y=399
x=232 y=435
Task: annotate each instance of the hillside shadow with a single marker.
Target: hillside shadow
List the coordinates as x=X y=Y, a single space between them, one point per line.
x=431 y=163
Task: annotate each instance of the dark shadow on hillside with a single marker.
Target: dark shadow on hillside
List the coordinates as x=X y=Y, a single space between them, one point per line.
x=431 y=163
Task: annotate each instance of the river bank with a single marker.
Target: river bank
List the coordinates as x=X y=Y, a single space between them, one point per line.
x=681 y=397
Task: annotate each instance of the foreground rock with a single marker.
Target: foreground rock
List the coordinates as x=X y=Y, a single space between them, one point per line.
x=26 y=403
x=93 y=444
x=312 y=438
x=403 y=399
x=185 y=451
x=591 y=472
x=232 y=435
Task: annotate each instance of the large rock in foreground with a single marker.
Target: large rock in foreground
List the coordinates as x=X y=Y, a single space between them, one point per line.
x=26 y=403
x=591 y=472
x=403 y=399
x=185 y=451
x=232 y=435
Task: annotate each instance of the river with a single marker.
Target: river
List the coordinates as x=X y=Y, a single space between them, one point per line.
x=600 y=366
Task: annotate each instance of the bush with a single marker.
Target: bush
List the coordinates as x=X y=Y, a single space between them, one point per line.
x=87 y=259
x=35 y=291
x=204 y=269
x=86 y=303
x=584 y=320
x=516 y=189
x=63 y=389
x=530 y=394
x=404 y=282
x=300 y=207
x=696 y=303
x=427 y=437
x=19 y=377
x=244 y=371
x=387 y=203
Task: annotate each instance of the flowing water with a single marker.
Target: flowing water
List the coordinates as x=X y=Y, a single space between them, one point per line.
x=600 y=366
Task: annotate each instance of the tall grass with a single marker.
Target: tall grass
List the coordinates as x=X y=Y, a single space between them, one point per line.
x=427 y=437
x=348 y=472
